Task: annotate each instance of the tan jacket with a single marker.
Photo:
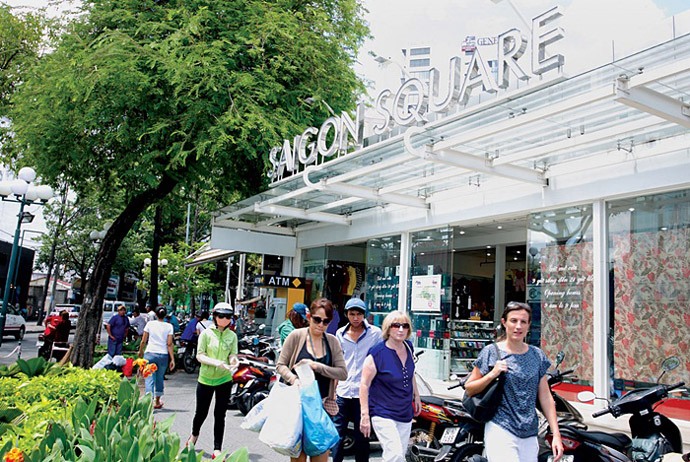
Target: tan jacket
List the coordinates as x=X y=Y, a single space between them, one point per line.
x=294 y=344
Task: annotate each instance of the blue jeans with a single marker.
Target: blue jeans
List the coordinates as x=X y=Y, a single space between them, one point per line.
x=154 y=382
x=349 y=412
x=115 y=347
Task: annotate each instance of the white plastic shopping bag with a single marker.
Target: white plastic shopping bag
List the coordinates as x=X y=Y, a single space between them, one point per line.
x=256 y=417
x=282 y=430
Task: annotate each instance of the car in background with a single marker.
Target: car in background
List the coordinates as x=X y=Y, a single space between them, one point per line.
x=14 y=323
x=110 y=308
x=72 y=309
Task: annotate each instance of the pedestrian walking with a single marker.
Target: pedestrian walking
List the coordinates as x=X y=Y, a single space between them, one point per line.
x=322 y=351
x=158 y=344
x=217 y=353
x=297 y=318
x=511 y=435
x=356 y=338
x=138 y=322
x=117 y=329
x=388 y=392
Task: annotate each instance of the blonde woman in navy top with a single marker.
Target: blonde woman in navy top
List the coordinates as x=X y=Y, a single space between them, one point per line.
x=388 y=393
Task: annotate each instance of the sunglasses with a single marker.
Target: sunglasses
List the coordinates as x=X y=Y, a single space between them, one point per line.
x=320 y=320
x=398 y=325
x=223 y=316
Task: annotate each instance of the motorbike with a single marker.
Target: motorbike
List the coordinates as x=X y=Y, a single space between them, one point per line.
x=566 y=412
x=463 y=441
x=251 y=382
x=186 y=356
x=653 y=434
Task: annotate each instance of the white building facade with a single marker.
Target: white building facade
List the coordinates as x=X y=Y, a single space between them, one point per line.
x=570 y=193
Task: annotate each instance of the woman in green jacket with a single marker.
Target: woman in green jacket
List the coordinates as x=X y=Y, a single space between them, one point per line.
x=217 y=353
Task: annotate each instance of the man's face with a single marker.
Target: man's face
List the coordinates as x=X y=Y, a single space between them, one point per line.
x=355 y=317
x=121 y=311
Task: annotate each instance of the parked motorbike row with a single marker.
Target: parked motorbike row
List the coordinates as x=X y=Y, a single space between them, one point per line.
x=446 y=433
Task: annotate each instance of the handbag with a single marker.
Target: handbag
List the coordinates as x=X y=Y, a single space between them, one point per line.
x=330 y=405
x=483 y=406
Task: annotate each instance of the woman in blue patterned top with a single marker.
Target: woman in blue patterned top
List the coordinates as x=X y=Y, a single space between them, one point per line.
x=511 y=436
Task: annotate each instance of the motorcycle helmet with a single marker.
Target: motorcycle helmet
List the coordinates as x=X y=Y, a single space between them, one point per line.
x=223 y=308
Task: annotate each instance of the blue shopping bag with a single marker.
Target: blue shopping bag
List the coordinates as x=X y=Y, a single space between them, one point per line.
x=318 y=431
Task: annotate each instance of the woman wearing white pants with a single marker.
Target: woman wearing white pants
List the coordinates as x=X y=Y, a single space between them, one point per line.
x=388 y=393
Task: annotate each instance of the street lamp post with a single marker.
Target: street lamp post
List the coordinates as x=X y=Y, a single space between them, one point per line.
x=25 y=194
x=153 y=294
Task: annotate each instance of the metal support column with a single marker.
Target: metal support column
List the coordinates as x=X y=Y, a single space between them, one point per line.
x=601 y=296
x=405 y=265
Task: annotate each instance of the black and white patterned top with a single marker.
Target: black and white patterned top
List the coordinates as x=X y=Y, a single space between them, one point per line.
x=517 y=413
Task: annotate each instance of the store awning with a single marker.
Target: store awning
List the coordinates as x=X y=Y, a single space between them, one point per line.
x=529 y=138
x=208 y=255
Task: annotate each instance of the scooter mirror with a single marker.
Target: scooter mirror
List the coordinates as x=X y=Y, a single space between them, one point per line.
x=585 y=396
x=453 y=377
x=559 y=358
x=670 y=363
x=261 y=326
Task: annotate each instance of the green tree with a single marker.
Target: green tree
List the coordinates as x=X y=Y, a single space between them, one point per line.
x=20 y=41
x=140 y=98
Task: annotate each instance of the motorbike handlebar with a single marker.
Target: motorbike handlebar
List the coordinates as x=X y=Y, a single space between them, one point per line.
x=568 y=372
x=674 y=386
x=453 y=387
x=602 y=412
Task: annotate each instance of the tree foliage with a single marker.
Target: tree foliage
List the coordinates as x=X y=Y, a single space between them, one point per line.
x=140 y=98
x=20 y=41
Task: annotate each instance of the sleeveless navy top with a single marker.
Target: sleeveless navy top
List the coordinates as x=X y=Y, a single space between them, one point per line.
x=391 y=392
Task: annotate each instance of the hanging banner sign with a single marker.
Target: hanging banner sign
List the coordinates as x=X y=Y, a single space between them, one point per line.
x=426 y=293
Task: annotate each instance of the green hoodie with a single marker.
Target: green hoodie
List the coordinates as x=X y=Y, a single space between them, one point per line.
x=218 y=345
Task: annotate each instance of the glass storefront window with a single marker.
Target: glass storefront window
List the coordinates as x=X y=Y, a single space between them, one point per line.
x=649 y=267
x=313 y=270
x=382 y=277
x=430 y=285
x=560 y=286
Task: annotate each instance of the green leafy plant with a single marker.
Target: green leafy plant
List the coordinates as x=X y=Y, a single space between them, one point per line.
x=125 y=431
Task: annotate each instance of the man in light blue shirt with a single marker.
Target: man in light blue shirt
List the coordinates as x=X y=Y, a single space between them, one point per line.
x=356 y=338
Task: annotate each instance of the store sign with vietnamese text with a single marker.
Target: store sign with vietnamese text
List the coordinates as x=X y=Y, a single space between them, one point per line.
x=410 y=104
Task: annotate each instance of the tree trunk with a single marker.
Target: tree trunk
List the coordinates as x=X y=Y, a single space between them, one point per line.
x=89 y=324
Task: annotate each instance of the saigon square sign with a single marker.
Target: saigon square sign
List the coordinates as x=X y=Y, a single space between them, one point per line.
x=414 y=100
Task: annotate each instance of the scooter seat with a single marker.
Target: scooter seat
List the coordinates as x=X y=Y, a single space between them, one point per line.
x=615 y=440
x=432 y=400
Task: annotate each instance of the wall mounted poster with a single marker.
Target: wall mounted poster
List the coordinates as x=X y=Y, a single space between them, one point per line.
x=426 y=293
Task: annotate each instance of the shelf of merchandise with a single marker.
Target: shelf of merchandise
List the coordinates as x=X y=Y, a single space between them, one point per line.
x=468 y=337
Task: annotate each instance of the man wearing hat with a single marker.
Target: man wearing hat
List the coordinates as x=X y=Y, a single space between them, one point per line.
x=356 y=338
x=296 y=319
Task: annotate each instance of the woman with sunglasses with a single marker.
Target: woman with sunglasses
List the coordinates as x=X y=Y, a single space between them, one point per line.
x=511 y=435
x=322 y=351
x=217 y=353
x=388 y=393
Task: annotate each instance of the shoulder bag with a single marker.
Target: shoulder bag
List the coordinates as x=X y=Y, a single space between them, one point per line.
x=482 y=406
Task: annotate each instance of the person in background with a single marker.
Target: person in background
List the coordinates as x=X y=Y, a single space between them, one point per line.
x=297 y=318
x=322 y=351
x=356 y=338
x=117 y=329
x=335 y=323
x=189 y=333
x=151 y=313
x=172 y=319
x=217 y=353
x=388 y=392
x=203 y=323
x=138 y=322
x=158 y=340
x=511 y=435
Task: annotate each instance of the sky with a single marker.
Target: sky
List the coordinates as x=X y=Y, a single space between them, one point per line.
x=595 y=32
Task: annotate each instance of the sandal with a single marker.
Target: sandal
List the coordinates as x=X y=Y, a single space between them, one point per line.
x=158 y=406
x=192 y=440
x=216 y=453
